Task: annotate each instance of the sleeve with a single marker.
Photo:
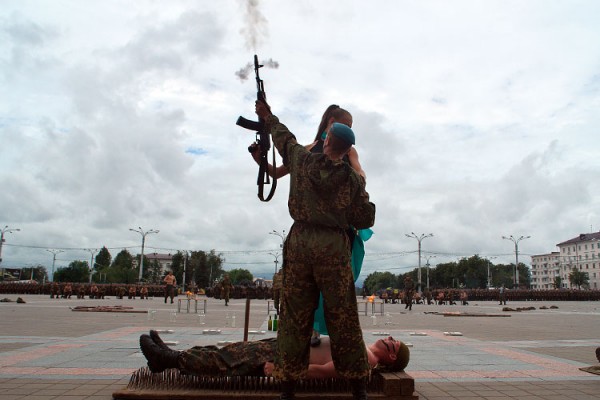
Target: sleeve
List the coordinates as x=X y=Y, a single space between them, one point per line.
x=362 y=212
x=284 y=140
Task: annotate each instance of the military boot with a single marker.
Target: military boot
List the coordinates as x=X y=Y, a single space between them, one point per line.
x=288 y=390
x=158 y=359
x=359 y=388
x=157 y=339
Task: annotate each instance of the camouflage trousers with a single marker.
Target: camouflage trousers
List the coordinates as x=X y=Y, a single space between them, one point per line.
x=302 y=284
x=236 y=359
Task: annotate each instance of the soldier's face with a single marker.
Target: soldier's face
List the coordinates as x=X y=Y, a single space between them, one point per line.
x=391 y=345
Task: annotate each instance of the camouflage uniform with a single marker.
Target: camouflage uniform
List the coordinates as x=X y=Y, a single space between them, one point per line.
x=236 y=359
x=226 y=288
x=326 y=197
x=277 y=282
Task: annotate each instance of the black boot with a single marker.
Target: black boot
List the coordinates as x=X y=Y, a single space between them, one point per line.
x=288 y=390
x=157 y=339
x=158 y=359
x=359 y=388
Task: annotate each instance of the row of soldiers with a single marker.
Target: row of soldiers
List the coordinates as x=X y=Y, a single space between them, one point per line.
x=453 y=296
x=264 y=292
x=82 y=290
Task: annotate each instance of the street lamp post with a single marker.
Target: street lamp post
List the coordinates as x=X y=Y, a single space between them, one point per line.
x=4 y=230
x=54 y=253
x=419 y=239
x=489 y=276
x=185 y=257
x=143 y=233
x=281 y=235
x=427 y=258
x=92 y=254
x=516 y=242
x=276 y=255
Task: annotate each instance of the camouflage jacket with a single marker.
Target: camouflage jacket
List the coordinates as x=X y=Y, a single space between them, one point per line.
x=326 y=197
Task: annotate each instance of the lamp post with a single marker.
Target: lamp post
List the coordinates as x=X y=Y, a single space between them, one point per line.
x=143 y=233
x=4 y=230
x=54 y=253
x=427 y=258
x=281 y=235
x=516 y=242
x=185 y=257
x=489 y=276
x=419 y=239
x=92 y=254
x=276 y=255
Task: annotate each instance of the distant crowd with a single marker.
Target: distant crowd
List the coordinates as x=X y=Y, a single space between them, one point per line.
x=433 y=296
x=463 y=296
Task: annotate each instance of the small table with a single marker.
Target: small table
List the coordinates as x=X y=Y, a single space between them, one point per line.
x=188 y=305
x=271 y=307
x=373 y=308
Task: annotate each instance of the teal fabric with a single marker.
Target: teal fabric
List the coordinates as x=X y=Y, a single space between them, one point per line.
x=358 y=255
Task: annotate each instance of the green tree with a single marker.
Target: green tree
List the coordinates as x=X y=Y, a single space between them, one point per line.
x=121 y=269
x=579 y=278
x=205 y=268
x=502 y=274
x=102 y=263
x=380 y=280
x=77 y=271
x=177 y=263
x=239 y=275
x=557 y=282
x=154 y=272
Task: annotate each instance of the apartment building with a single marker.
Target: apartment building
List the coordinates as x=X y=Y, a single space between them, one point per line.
x=581 y=252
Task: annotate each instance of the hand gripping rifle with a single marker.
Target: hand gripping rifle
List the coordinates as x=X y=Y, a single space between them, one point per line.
x=262 y=140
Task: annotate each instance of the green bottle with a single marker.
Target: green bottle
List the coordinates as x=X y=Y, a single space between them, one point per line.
x=275 y=323
x=270 y=324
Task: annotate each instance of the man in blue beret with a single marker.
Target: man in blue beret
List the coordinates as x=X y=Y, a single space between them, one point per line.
x=326 y=196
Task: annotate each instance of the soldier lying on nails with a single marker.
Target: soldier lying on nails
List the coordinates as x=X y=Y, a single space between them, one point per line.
x=255 y=358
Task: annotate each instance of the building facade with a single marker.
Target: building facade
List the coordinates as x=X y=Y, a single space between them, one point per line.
x=581 y=252
x=164 y=260
x=544 y=270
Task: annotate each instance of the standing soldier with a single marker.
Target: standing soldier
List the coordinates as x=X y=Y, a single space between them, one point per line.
x=55 y=290
x=144 y=293
x=326 y=196
x=277 y=282
x=226 y=288
x=502 y=295
x=170 y=283
x=132 y=292
x=428 y=296
x=409 y=288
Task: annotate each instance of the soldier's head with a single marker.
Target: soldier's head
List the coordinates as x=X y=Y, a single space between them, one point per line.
x=339 y=140
x=393 y=354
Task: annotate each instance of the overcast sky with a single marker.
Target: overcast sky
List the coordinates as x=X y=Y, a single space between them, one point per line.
x=474 y=120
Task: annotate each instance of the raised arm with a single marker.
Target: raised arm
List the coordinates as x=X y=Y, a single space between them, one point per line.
x=354 y=163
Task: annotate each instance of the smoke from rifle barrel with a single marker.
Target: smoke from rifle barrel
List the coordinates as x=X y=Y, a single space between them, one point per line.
x=255 y=29
x=256 y=26
x=244 y=72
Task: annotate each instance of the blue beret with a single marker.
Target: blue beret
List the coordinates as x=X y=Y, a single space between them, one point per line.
x=343 y=132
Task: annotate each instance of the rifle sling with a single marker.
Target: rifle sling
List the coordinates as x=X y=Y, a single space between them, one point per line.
x=263 y=172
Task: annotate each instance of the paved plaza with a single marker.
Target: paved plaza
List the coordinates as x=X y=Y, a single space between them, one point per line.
x=49 y=351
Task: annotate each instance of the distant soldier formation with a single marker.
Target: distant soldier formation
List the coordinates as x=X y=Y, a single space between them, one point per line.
x=263 y=291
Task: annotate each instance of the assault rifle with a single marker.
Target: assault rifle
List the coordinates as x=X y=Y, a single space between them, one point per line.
x=262 y=140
